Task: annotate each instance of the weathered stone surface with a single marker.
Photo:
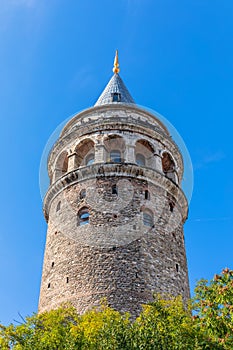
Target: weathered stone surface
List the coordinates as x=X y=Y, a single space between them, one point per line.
x=133 y=244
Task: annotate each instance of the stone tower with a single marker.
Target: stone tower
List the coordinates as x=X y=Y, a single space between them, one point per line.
x=115 y=208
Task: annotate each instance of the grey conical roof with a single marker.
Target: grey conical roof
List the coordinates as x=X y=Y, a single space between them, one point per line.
x=115 y=85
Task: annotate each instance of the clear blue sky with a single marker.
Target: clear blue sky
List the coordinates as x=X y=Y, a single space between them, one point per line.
x=55 y=58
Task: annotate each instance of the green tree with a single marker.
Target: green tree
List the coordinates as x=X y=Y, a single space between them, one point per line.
x=164 y=324
x=64 y=329
x=50 y=330
x=213 y=303
x=167 y=324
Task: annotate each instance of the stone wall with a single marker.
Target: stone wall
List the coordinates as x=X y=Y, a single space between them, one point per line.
x=115 y=255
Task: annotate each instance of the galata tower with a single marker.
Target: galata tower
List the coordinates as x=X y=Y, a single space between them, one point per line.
x=115 y=208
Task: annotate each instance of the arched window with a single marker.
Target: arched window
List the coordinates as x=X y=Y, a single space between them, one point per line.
x=115 y=156
x=114 y=146
x=140 y=159
x=90 y=159
x=61 y=166
x=148 y=218
x=82 y=194
x=144 y=153
x=147 y=195
x=85 y=153
x=83 y=216
x=168 y=165
x=58 y=206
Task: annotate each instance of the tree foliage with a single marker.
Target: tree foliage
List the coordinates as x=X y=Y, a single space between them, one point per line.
x=162 y=324
x=213 y=303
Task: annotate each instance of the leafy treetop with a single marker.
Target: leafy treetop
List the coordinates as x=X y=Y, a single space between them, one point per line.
x=162 y=324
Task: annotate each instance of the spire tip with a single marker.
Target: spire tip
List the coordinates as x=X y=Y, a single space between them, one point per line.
x=116 y=68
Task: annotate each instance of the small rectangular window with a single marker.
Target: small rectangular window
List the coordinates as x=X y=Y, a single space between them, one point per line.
x=58 y=206
x=116 y=97
x=147 y=195
x=114 y=189
x=171 y=206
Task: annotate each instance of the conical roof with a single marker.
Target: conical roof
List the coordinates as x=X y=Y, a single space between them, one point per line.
x=115 y=92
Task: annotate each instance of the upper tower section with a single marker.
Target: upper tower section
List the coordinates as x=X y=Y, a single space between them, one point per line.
x=114 y=125
x=115 y=91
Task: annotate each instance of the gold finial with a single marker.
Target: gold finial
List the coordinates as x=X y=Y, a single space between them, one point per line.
x=116 y=68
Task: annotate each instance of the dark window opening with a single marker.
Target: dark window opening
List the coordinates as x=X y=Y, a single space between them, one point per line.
x=55 y=232
x=177 y=267
x=67 y=279
x=83 y=216
x=114 y=189
x=116 y=97
x=147 y=195
x=58 y=206
x=82 y=194
x=53 y=264
x=171 y=206
x=49 y=285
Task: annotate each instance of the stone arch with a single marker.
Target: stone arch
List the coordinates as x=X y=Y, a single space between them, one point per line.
x=168 y=166
x=114 y=148
x=144 y=153
x=61 y=166
x=85 y=153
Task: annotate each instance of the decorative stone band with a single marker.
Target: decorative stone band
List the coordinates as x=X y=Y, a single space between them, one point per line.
x=117 y=110
x=125 y=170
